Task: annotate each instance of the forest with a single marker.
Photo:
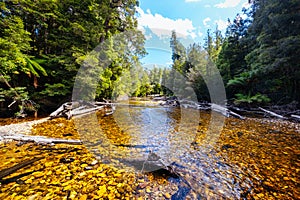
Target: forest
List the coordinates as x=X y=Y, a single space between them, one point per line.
x=83 y=58
x=45 y=42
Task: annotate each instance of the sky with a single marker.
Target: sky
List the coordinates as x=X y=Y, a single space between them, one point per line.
x=189 y=18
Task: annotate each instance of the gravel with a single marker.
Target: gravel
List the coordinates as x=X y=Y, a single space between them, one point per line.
x=20 y=128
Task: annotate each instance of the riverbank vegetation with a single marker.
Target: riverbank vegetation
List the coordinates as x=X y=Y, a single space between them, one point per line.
x=44 y=43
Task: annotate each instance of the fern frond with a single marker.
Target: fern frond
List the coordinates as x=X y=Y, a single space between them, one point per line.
x=33 y=66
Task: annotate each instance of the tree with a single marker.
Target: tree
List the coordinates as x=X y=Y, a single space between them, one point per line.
x=231 y=58
x=276 y=31
x=258 y=60
x=178 y=53
x=57 y=37
x=16 y=65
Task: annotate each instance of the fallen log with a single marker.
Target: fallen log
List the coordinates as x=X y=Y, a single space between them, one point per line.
x=37 y=139
x=225 y=111
x=272 y=113
x=70 y=109
x=296 y=116
x=236 y=115
x=10 y=170
x=135 y=146
x=61 y=110
x=220 y=109
x=85 y=111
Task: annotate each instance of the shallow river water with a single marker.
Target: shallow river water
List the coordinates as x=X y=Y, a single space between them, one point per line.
x=207 y=156
x=213 y=156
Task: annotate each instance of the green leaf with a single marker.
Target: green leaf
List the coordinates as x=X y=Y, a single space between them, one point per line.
x=33 y=66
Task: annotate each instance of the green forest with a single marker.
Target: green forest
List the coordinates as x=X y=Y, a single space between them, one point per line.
x=45 y=42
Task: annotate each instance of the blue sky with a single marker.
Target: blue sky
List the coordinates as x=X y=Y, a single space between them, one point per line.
x=189 y=18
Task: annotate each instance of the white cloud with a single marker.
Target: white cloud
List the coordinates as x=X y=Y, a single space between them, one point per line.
x=205 y=21
x=163 y=26
x=189 y=1
x=228 y=4
x=222 y=25
x=200 y=34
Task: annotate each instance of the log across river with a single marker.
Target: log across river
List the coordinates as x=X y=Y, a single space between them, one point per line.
x=201 y=155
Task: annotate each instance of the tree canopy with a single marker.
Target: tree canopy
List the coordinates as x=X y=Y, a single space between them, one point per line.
x=44 y=43
x=258 y=60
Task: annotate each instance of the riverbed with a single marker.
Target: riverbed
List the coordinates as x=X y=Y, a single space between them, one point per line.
x=123 y=156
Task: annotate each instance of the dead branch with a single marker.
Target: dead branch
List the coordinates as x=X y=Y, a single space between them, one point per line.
x=296 y=116
x=225 y=111
x=37 y=139
x=272 y=113
x=70 y=109
x=10 y=170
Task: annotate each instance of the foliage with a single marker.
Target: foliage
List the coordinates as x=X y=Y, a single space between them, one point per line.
x=195 y=70
x=44 y=43
x=56 y=89
x=259 y=55
x=248 y=99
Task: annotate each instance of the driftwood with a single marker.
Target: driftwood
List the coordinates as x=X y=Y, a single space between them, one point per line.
x=108 y=104
x=37 y=139
x=76 y=112
x=135 y=146
x=225 y=111
x=296 y=116
x=70 y=109
x=236 y=115
x=10 y=170
x=220 y=109
x=61 y=110
x=201 y=106
x=272 y=113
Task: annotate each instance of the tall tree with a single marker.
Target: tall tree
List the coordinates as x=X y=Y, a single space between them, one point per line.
x=276 y=31
x=259 y=59
x=231 y=59
x=57 y=36
x=178 y=53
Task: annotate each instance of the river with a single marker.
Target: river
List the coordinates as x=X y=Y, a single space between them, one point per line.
x=157 y=153
x=216 y=157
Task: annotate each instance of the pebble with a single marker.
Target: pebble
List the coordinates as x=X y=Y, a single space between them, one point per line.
x=143 y=185
x=167 y=195
x=94 y=162
x=148 y=189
